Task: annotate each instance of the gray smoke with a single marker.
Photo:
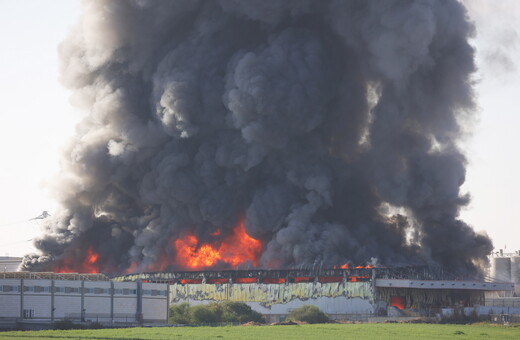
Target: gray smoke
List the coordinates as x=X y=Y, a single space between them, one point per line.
x=331 y=127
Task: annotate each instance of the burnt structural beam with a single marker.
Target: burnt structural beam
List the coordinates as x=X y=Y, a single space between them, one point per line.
x=287 y=275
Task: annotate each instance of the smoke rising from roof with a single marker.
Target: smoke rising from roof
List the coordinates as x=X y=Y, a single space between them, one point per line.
x=329 y=127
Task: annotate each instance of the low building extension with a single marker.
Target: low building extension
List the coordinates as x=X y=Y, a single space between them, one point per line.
x=49 y=297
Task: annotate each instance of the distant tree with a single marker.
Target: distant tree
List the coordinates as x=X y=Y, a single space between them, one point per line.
x=309 y=314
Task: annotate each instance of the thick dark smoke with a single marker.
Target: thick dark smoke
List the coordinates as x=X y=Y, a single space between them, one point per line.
x=331 y=127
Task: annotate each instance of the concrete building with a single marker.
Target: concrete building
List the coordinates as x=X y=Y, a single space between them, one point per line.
x=9 y=263
x=50 y=297
x=505 y=267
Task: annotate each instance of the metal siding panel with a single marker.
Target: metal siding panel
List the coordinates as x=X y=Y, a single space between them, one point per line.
x=125 y=308
x=154 y=309
x=40 y=304
x=97 y=305
x=67 y=306
x=10 y=305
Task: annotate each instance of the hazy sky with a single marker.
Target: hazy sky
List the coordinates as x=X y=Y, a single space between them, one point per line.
x=36 y=118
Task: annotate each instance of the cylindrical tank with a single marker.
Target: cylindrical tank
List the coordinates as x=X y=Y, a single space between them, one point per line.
x=515 y=273
x=501 y=269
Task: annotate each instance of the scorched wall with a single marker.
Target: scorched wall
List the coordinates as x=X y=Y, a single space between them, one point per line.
x=279 y=299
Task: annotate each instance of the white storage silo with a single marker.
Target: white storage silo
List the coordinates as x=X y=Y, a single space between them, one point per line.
x=515 y=273
x=501 y=269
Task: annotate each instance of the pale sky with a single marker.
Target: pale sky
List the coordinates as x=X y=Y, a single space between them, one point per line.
x=36 y=118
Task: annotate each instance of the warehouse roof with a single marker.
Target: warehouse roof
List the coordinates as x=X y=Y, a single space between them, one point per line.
x=53 y=276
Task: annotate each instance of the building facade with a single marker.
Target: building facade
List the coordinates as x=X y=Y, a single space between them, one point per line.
x=81 y=298
x=344 y=294
x=340 y=300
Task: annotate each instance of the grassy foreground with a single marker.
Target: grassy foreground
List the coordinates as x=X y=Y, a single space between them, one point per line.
x=321 y=331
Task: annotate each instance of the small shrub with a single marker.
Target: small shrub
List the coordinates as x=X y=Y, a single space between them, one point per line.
x=180 y=314
x=66 y=325
x=203 y=314
x=239 y=312
x=214 y=313
x=460 y=318
x=95 y=325
x=309 y=314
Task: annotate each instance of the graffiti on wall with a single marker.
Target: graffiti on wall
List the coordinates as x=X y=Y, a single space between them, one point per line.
x=269 y=294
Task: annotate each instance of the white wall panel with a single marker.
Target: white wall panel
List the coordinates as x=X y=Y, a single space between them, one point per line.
x=39 y=304
x=67 y=306
x=10 y=305
x=155 y=309
x=97 y=304
x=97 y=297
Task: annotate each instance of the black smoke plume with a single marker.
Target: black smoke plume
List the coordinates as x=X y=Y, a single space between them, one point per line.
x=331 y=127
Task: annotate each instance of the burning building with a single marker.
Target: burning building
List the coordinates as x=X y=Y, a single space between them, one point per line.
x=264 y=134
x=362 y=293
x=357 y=293
x=264 y=137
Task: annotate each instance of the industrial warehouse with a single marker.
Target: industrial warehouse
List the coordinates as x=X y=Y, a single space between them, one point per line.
x=356 y=294
x=360 y=294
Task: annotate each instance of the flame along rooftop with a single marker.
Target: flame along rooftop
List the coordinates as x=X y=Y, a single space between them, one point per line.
x=337 y=274
x=251 y=276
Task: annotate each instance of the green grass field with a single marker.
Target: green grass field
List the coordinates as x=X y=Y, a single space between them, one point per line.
x=322 y=332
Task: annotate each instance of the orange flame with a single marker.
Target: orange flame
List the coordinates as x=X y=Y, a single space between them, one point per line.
x=347 y=266
x=218 y=280
x=273 y=280
x=192 y=257
x=303 y=279
x=398 y=302
x=368 y=266
x=92 y=257
x=235 y=249
x=134 y=266
x=89 y=264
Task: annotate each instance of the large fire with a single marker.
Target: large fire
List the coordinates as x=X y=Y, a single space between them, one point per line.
x=233 y=250
x=185 y=253
x=190 y=253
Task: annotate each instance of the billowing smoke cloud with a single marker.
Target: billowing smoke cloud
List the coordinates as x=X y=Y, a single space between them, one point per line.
x=330 y=127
